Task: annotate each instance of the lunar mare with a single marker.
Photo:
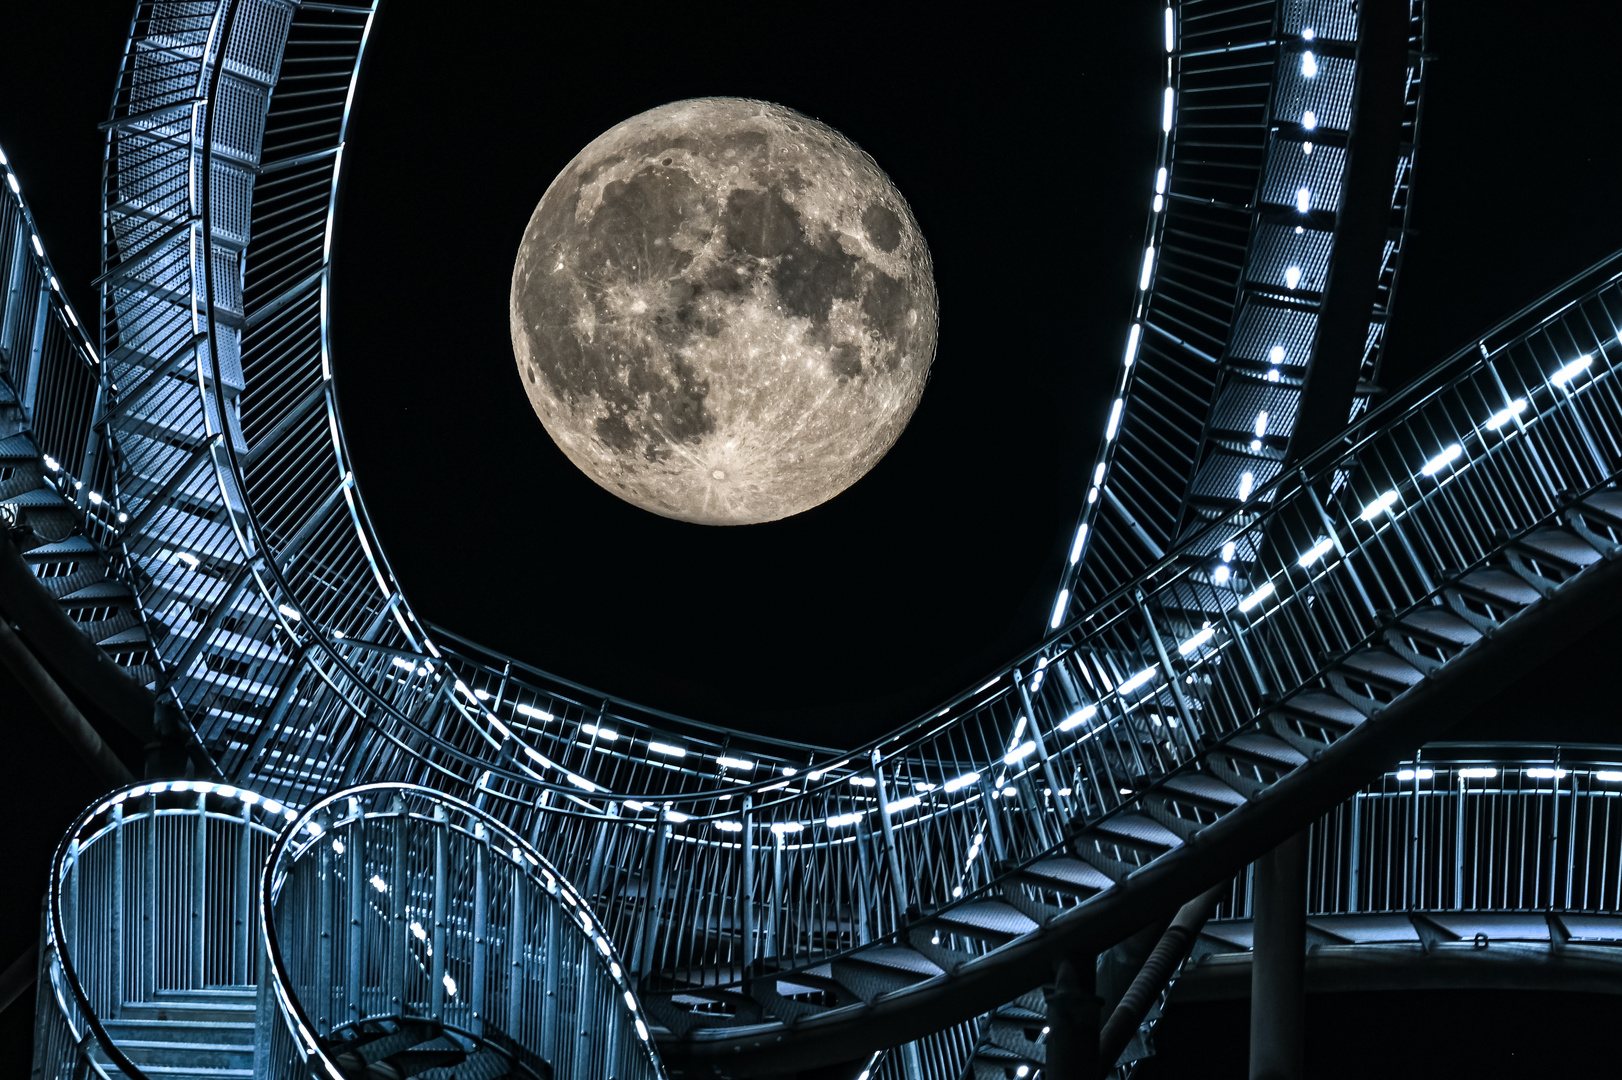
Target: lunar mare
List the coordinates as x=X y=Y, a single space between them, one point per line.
x=723 y=311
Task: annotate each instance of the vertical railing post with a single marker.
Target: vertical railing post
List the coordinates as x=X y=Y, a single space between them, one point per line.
x=774 y=900
x=897 y=882
x=149 y=905
x=324 y=919
x=354 y=955
x=551 y=973
x=515 y=954
x=599 y=853
x=243 y=968
x=746 y=893
x=436 y=992
x=999 y=848
x=29 y=391
x=70 y=904
x=653 y=898
x=1357 y=854
x=399 y=949
x=199 y=893
x=864 y=899
x=1458 y=849
x=1190 y=733
x=1038 y=736
x=481 y=922
x=119 y=933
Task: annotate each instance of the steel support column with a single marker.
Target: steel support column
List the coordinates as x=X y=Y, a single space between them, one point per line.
x=1278 y=971
x=1073 y=1008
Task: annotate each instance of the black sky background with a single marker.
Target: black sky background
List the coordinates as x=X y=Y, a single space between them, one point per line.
x=1024 y=141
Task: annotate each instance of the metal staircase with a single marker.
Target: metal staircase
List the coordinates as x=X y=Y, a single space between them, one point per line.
x=206 y=1034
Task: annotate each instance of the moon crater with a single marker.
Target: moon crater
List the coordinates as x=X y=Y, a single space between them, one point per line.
x=723 y=311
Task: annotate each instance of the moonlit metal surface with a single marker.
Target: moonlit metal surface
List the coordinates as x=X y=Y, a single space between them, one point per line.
x=723 y=311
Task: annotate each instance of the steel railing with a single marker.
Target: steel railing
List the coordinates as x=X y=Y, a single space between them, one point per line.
x=152 y=892
x=395 y=902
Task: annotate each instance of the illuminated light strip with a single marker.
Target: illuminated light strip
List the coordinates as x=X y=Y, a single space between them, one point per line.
x=1546 y=774
x=1504 y=416
x=1571 y=370
x=906 y=803
x=729 y=826
x=1075 y=548
x=1168 y=109
x=735 y=763
x=839 y=821
x=1488 y=774
x=532 y=712
x=1379 y=506
x=1063 y=600
x=1019 y=753
x=667 y=749
x=1114 y=420
x=1138 y=680
x=1411 y=774
x=1257 y=597
x=1196 y=641
x=781 y=827
x=958 y=783
x=1442 y=460
x=1316 y=552
x=1133 y=336
x=1171 y=30
x=1148 y=263
x=1080 y=716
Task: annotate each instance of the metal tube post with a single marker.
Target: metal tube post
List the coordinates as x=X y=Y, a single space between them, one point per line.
x=774 y=917
x=1072 y=1013
x=594 y=874
x=1035 y=729
x=199 y=892
x=398 y=951
x=655 y=897
x=436 y=992
x=515 y=954
x=244 y=912
x=149 y=904
x=1278 y=962
x=117 y=1002
x=324 y=958
x=746 y=895
x=864 y=902
x=354 y=957
x=888 y=832
x=481 y=923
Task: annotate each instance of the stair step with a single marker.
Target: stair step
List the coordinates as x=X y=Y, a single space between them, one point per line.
x=1320 y=707
x=1500 y=586
x=1265 y=749
x=986 y=919
x=42 y=498
x=1559 y=546
x=213 y=1032
x=1380 y=666
x=1138 y=830
x=1072 y=876
x=1440 y=626
x=1200 y=788
x=1607 y=504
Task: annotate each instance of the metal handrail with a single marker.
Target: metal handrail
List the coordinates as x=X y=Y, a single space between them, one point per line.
x=408 y=831
x=104 y=819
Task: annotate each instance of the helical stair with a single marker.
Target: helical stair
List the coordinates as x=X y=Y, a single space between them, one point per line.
x=179 y=487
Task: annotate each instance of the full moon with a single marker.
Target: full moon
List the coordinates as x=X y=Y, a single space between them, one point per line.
x=723 y=311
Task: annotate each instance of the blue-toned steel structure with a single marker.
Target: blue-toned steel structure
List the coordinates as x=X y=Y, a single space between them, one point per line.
x=1259 y=621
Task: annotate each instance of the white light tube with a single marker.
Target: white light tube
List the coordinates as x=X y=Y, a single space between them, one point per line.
x=1571 y=370
x=1316 y=552
x=1148 y=266
x=1075 y=548
x=1160 y=189
x=1171 y=30
x=532 y=712
x=1114 y=420
x=605 y=734
x=1196 y=641
x=1132 y=337
x=1410 y=774
x=863 y=781
x=579 y=781
x=1080 y=716
x=1261 y=424
x=906 y=803
x=1309 y=121
x=1504 y=416
x=1059 y=606
x=1442 y=460
x=782 y=827
x=1256 y=597
x=841 y=820
x=667 y=750
x=1379 y=506
x=1303 y=200
x=1246 y=483
x=1166 y=110
x=1138 y=680
x=1483 y=774
x=1098 y=474
x=735 y=763
x=1019 y=753
x=1229 y=550
x=676 y=816
x=288 y=612
x=1546 y=774
x=729 y=826
x=1309 y=64
x=1610 y=775
x=1292 y=277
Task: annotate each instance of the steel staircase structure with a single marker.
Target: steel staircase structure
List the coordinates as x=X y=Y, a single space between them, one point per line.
x=777 y=903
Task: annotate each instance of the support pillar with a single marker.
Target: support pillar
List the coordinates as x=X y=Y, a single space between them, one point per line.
x=1278 y=963
x=1073 y=1009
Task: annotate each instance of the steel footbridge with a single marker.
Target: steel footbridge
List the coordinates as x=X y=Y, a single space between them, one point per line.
x=367 y=846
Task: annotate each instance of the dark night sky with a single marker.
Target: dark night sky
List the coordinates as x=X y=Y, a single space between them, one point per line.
x=1026 y=148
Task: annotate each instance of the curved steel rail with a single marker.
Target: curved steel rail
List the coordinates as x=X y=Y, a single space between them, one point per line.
x=391 y=904
x=130 y=916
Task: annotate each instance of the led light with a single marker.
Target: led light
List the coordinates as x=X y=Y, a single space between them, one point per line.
x=271 y=805
x=920 y=785
x=676 y=815
x=1114 y=419
x=1092 y=496
x=1148 y=262
x=1483 y=774
x=248 y=797
x=1247 y=482
x=337 y=847
x=288 y=612
x=1276 y=354
x=1160 y=202
x=1410 y=774
x=1306 y=148
x=11 y=179
x=1273 y=376
x=1221 y=574
x=729 y=826
x=1256 y=597
x=667 y=749
x=402 y=662
x=782 y=827
x=839 y=821
x=418 y=931
x=1571 y=370
x=1309 y=121
x=1171 y=41
x=188 y=558
x=1132 y=337
x=1080 y=716
x=1165 y=113
x=1196 y=641
x=1261 y=424
x=482 y=695
x=1610 y=775
x=641 y=1028
x=379 y=884
x=1316 y=552
x=122 y=517
x=450 y=988
x=601 y=733
x=789 y=770
x=1023 y=1071
x=958 y=783
x=1098 y=474
x=1292 y=277
x=735 y=763
x=39 y=249
x=1307 y=35
x=905 y=803
x=1546 y=774
x=1309 y=64
x=1075 y=547
x=1228 y=550
x=1019 y=753
x=95 y=497
x=863 y=781
x=1160 y=186
x=1504 y=416
x=1442 y=460
x=632 y=804
x=1303 y=203
x=579 y=781
x=1379 y=506
x=1059 y=608
x=1139 y=679
x=1019 y=729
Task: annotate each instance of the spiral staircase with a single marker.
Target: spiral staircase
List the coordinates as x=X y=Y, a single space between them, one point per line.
x=178 y=488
